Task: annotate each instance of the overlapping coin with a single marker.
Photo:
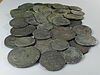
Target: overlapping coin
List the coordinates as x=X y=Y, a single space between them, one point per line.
x=50 y=34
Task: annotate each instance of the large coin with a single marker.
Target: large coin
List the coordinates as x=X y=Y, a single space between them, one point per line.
x=72 y=55
x=23 y=57
x=52 y=61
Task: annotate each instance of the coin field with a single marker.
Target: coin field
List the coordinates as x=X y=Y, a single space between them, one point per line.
x=50 y=34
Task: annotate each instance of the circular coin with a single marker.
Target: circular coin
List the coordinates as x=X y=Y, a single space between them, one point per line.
x=72 y=55
x=23 y=57
x=85 y=40
x=52 y=61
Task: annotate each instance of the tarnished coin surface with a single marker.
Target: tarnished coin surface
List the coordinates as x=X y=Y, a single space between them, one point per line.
x=23 y=31
x=24 y=41
x=52 y=61
x=72 y=55
x=23 y=57
x=10 y=41
x=59 y=44
x=86 y=40
x=41 y=34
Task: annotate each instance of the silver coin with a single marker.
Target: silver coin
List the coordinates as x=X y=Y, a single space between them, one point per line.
x=10 y=41
x=72 y=55
x=52 y=61
x=23 y=57
x=84 y=49
x=86 y=40
x=24 y=41
x=59 y=44
x=82 y=29
x=41 y=34
x=23 y=31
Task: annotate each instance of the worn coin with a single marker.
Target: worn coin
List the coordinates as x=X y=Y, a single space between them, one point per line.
x=59 y=44
x=47 y=26
x=43 y=45
x=84 y=49
x=86 y=40
x=23 y=57
x=60 y=20
x=23 y=31
x=75 y=22
x=10 y=41
x=65 y=33
x=82 y=29
x=41 y=34
x=52 y=61
x=72 y=55
x=75 y=8
x=24 y=41
x=73 y=16
x=18 y=22
x=77 y=12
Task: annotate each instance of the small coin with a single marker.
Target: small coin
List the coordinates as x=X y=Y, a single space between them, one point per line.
x=73 y=16
x=72 y=55
x=84 y=49
x=52 y=61
x=43 y=45
x=23 y=31
x=62 y=11
x=59 y=44
x=86 y=40
x=60 y=20
x=41 y=34
x=31 y=20
x=47 y=26
x=75 y=8
x=10 y=41
x=24 y=41
x=18 y=22
x=65 y=33
x=75 y=22
x=23 y=57
x=77 y=12
x=82 y=29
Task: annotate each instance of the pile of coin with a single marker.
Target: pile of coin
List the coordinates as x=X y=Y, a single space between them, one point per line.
x=51 y=34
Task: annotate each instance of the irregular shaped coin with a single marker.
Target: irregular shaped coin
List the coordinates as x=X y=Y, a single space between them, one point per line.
x=24 y=41
x=86 y=40
x=72 y=55
x=52 y=60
